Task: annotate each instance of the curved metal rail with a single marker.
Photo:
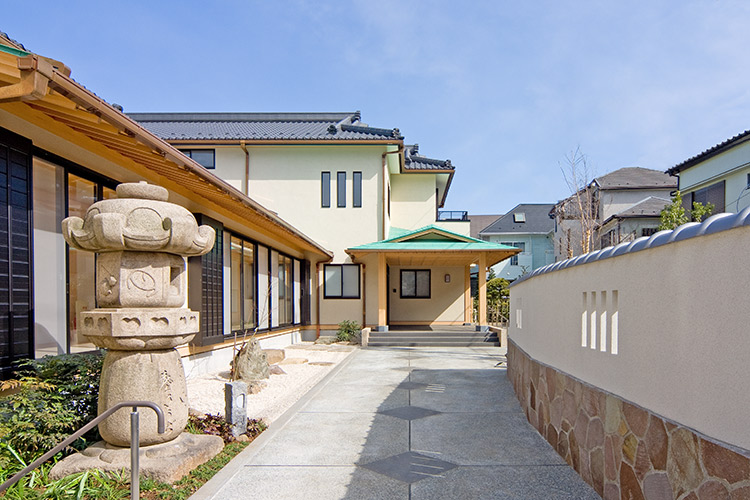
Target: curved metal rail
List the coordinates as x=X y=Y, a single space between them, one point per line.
x=134 y=440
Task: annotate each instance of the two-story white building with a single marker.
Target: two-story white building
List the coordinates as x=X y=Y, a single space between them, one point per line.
x=719 y=175
x=347 y=185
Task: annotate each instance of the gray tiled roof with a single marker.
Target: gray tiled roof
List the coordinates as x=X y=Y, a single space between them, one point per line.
x=537 y=220
x=712 y=151
x=414 y=161
x=479 y=222
x=714 y=224
x=636 y=178
x=262 y=126
x=650 y=207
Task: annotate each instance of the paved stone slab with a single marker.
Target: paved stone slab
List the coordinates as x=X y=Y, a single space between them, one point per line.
x=482 y=439
x=358 y=398
x=363 y=417
x=507 y=483
x=410 y=467
x=285 y=483
x=410 y=412
x=336 y=439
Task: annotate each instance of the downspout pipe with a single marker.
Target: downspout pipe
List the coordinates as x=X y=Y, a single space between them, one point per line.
x=245 y=185
x=385 y=187
x=317 y=301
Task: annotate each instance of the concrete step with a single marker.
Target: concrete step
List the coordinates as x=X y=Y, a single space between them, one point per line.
x=427 y=343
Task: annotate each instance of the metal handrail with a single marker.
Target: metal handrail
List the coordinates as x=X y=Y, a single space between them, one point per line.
x=134 y=442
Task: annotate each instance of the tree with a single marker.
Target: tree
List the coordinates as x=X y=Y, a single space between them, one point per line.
x=581 y=206
x=674 y=214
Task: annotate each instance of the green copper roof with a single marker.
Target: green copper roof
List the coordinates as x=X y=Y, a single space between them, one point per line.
x=14 y=51
x=436 y=238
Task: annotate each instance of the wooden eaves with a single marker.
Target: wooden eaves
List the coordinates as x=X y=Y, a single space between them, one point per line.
x=40 y=93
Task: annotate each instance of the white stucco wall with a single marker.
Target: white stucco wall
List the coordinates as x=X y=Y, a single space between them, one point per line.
x=286 y=179
x=413 y=200
x=681 y=326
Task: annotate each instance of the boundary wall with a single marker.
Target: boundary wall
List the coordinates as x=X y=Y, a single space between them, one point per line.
x=634 y=361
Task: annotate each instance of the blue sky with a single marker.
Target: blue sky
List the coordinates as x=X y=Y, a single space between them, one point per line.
x=505 y=89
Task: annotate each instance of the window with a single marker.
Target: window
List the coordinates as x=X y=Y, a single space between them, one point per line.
x=341 y=281
x=712 y=194
x=357 y=189
x=242 y=279
x=325 y=189
x=415 y=283
x=519 y=217
x=517 y=244
x=204 y=157
x=341 y=189
x=65 y=281
x=286 y=294
x=608 y=239
x=648 y=231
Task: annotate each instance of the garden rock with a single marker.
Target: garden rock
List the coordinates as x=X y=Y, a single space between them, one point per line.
x=251 y=363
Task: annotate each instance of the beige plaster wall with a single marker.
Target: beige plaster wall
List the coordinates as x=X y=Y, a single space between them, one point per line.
x=446 y=302
x=681 y=321
x=286 y=179
x=412 y=200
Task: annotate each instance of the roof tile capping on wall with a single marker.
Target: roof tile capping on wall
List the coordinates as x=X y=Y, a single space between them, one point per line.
x=714 y=224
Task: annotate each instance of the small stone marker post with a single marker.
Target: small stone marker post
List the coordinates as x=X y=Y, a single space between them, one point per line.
x=235 y=406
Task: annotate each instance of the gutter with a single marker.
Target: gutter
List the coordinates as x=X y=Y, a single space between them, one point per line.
x=245 y=185
x=37 y=70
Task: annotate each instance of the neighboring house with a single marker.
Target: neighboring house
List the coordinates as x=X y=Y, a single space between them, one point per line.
x=282 y=269
x=642 y=219
x=719 y=175
x=479 y=222
x=529 y=228
x=349 y=186
x=608 y=195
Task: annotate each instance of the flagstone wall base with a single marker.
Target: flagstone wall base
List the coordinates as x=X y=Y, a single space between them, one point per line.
x=622 y=450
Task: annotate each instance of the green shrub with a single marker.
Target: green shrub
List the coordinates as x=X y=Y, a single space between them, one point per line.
x=348 y=330
x=55 y=396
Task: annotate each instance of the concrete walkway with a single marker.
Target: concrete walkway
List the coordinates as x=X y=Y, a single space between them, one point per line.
x=403 y=423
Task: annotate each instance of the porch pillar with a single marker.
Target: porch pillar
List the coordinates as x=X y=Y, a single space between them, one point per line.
x=482 y=280
x=467 y=294
x=382 y=292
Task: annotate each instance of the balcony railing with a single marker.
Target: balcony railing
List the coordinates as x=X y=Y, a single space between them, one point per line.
x=447 y=215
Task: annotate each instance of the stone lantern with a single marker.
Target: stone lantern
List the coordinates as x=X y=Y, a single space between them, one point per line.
x=141 y=242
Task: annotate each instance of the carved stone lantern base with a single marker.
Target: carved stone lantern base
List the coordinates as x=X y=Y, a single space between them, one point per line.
x=166 y=462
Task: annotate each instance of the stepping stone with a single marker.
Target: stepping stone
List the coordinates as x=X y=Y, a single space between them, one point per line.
x=320 y=363
x=410 y=467
x=293 y=361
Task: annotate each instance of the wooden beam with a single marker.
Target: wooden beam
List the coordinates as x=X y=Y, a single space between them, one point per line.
x=467 y=294
x=382 y=291
x=482 y=279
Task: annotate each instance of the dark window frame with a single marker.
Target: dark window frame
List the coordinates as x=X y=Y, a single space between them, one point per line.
x=326 y=295
x=189 y=154
x=254 y=246
x=416 y=293
x=514 y=258
x=325 y=189
x=357 y=189
x=341 y=189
